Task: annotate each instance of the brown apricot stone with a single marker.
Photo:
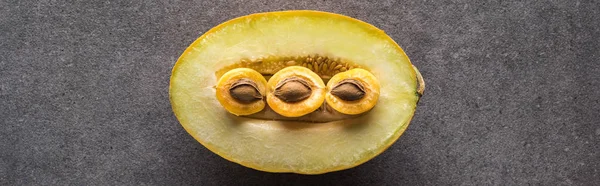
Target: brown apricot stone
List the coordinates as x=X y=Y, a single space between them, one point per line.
x=292 y=90
x=245 y=91
x=349 y=90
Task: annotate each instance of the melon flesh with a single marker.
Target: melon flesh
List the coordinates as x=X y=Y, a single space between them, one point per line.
x=293 y=146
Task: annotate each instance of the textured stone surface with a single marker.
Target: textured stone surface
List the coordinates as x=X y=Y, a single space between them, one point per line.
x=512 y=98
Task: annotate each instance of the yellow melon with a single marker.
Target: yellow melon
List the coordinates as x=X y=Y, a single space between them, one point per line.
x=307 y=142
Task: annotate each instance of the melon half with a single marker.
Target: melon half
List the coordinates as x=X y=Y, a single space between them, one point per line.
x=327 y=44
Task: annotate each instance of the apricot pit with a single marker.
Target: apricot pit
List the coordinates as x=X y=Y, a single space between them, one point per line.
x=292 y=90
x=245 y=91
x=348 y=90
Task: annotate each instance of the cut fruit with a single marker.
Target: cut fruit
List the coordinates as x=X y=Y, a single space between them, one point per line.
x=295 y=91
x=353 y=92
x=241 y=91
x=321 y=141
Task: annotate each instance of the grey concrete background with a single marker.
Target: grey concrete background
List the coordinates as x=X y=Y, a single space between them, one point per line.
x=512 y=97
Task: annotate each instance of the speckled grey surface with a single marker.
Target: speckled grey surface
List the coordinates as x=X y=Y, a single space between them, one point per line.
x=512 y=98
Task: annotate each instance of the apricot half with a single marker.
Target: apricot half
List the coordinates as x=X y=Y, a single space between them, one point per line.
x=295 y=91
x=294 y=123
